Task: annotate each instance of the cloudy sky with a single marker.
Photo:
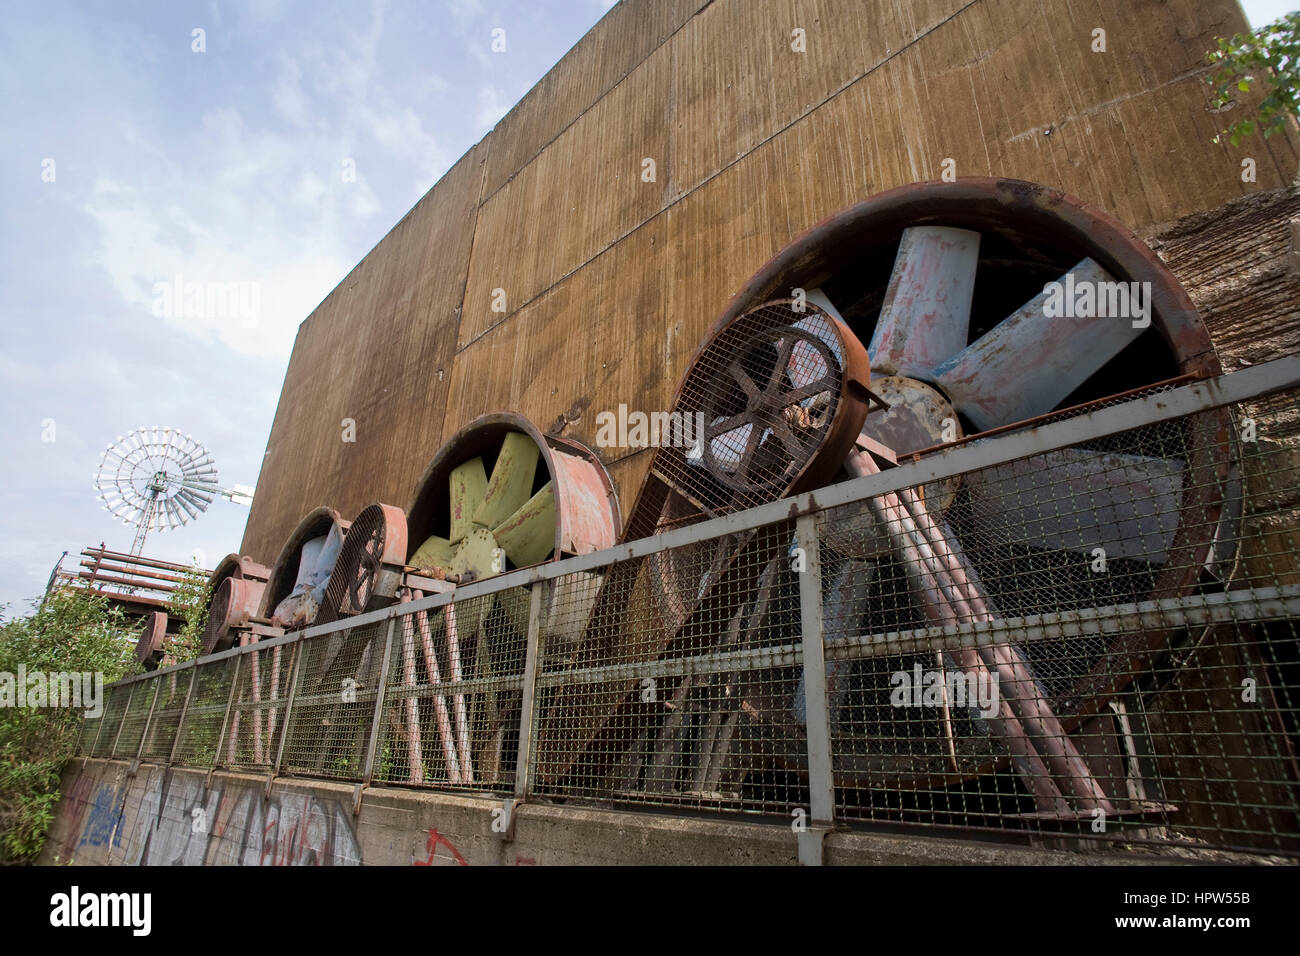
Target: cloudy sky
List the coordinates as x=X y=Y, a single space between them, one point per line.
x=223 y=166
x=276 y=156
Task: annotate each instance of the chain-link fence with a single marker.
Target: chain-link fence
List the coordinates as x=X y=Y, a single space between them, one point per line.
x=1085 y=629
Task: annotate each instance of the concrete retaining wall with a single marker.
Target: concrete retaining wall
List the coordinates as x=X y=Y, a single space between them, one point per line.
x=155 y=817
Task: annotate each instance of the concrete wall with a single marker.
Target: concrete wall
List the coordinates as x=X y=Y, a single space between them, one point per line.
x=108 y=816
x=610 y=281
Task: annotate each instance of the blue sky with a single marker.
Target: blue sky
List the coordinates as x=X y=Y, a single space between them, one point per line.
x=221 y=166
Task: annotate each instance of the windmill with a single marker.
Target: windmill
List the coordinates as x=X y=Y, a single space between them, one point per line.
x=158 y=478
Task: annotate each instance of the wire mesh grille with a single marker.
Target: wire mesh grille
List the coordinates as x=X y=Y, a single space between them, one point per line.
x=681 y=688
x=111 y=721
x=134 y=721
x=451 y=714
x=1092 y=643
x=334 y=702
x=766 y=390
x=204 y=717
x=161 y=735
x=256 y=717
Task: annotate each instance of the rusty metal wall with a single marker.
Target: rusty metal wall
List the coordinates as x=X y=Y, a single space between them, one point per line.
x=609 y=281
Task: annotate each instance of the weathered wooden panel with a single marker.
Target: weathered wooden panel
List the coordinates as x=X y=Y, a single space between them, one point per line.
x=1241 y=266
x=613 y=48
x=611 y=282
x=577 y=198
x=739 y=80
x=596 y=339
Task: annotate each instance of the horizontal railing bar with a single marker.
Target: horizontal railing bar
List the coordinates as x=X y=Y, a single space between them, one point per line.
x=1259 y=604
x=750 y=658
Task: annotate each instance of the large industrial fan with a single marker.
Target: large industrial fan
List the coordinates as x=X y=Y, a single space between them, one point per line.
x=149 y=649
x=295 y=587
x=234 y=600
x=950 y=283
x=499 y=495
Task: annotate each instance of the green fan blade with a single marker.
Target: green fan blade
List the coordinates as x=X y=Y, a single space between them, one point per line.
x=512 y=480
x=434 y=553
x=528 y=535
x=468 y=484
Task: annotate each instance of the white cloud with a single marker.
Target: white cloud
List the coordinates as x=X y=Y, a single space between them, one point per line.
x=492 y=105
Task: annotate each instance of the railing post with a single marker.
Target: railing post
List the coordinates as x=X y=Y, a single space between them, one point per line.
x=185 y=709
x=367 y=767
x=148 y=721
x=526 y=764
x=821 y=781
x=112 y=751
x=230 y=704
x=301 y=645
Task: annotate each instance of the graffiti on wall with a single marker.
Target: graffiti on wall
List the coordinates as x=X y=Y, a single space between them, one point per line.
x=180 y=822
x=451 y=857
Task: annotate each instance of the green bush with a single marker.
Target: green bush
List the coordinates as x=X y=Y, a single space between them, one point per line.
x=73 y=631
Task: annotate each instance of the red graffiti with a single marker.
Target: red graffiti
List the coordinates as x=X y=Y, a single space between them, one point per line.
x=436 y=839
x=525 y=861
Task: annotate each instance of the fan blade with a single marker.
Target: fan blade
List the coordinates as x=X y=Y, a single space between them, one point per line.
x=511 y=482
x=1077 y=500
x=528 y=535
x=436 y=552
x=468 y=482
x=307 y=561
x=1029 y=361
x=926 y=314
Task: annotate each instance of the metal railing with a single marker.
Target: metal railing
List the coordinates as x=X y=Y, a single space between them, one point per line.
x=1084 y=630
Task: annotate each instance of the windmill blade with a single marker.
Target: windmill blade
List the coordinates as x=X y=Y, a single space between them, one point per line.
x=180 y=500
x=467 y=486
x=511 y=482
x=925 y=318
x=1077 y=500
x=1046 y=357
x=528 y=535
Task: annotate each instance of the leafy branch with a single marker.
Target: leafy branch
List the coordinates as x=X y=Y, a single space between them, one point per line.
x=1269 y=56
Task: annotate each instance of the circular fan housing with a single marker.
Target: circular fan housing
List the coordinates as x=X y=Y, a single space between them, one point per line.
x=284 y=572
x=149 y=648
x=369 y=566
x=234 y=598
x=484 y=506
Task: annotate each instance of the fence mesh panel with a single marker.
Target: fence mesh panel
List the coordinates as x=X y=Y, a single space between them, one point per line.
x=200 y=730
x=451 y=714
x=334 y=702
x=261 y=694
x=134 y=721
x=161 y=735
x=683 y=687
x=111 y=721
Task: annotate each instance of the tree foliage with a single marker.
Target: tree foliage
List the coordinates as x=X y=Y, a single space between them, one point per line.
x=1269 y=56
x=189 y=602
x=74 y=630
